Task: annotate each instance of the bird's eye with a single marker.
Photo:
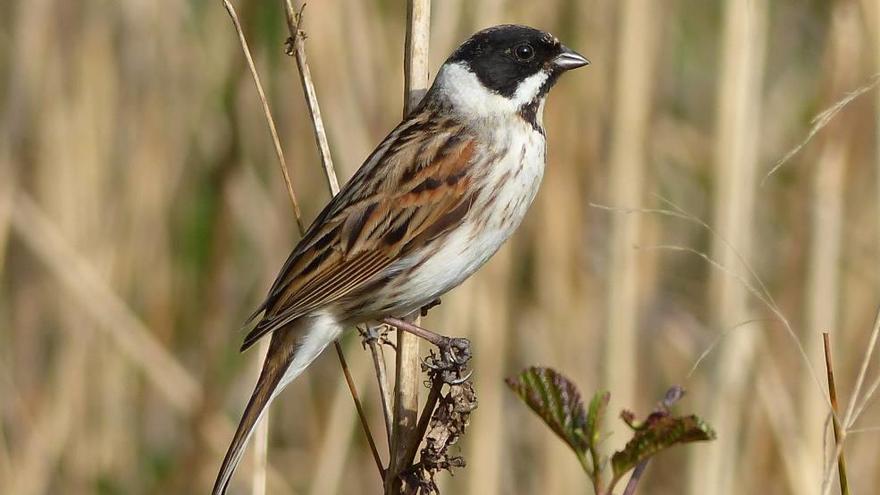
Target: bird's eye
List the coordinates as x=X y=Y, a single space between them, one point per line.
x=524 y=52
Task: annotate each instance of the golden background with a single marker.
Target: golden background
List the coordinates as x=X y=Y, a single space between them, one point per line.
x=143 y=217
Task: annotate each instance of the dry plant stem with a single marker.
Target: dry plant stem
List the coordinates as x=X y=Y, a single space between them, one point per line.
x=328 y=168
x=633 y=482
x=360 y=409
x=416 y=330
x=425 y=418
x=832 y=393
x=272 y=130
x=297 y=36
x=408 y=368
x=372 y=338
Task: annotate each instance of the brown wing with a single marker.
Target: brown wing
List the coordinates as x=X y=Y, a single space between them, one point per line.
x=409 y=191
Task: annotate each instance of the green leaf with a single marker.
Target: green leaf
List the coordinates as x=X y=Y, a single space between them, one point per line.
x=595 y=416
x=557 y=401
x=659 y=432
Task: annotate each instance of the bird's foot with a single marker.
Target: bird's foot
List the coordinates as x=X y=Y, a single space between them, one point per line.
x=375 y=334
x=450 y=363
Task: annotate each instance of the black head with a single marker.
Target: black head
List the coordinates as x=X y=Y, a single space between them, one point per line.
x=503 y=56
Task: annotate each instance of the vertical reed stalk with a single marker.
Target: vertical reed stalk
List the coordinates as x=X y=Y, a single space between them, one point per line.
x=404 y=436
x=715 y=469
x=633 y=99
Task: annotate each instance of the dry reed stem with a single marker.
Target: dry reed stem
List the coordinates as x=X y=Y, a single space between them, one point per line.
x=6 y=194
x=408 y=370
x=832 y=394
x=276 y=143
x=738 y=124
x=627 y=162
x=850 y=416
x=372 y=335
x=360 y=409
x=297 y=37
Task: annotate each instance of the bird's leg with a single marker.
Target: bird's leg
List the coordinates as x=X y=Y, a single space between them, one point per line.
x=455 y=350
x=377 y=334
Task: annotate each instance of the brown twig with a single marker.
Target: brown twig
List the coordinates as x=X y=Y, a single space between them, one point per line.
x=406 y=386
x=425 y=418
x=297 y=49
x=838 y=434
x=373 y=339
x=415 y=330
x=359 y=407
x=269 y=120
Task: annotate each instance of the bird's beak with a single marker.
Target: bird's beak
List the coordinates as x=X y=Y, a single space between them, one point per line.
x=569 y=59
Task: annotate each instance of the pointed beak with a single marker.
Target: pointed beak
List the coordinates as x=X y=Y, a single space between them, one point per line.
x=569 y=59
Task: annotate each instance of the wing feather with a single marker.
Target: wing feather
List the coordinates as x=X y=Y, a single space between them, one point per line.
x=413 y=188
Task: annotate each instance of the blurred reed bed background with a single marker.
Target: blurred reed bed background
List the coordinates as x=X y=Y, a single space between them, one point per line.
x=142 y=218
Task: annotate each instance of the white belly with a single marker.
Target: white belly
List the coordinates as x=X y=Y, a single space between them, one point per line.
x=512 y=185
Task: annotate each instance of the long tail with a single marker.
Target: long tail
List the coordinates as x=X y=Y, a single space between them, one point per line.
x=291 y=350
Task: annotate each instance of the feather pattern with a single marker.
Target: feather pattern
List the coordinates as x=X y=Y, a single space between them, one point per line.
x=434 y=201
x=407 y=194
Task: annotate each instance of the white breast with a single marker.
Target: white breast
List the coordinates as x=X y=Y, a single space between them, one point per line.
x=512 y=183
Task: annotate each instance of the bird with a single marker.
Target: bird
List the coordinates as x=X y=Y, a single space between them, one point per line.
x=429 y=206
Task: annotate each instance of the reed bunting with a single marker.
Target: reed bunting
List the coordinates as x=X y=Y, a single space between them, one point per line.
x=427 y=208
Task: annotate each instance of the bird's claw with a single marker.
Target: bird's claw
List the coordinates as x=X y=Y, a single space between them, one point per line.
x=448 y=365
x=456 y=351
x=375 y=334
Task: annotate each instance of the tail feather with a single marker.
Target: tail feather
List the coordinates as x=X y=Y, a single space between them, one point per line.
x=291 y=350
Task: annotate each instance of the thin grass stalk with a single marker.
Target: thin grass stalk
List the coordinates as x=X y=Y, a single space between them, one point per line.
x=838 y=434
x=276 y=143
x=408 y=370
x=714 y=468
x=297 y=39
x=372 y=335
x=332 y=472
